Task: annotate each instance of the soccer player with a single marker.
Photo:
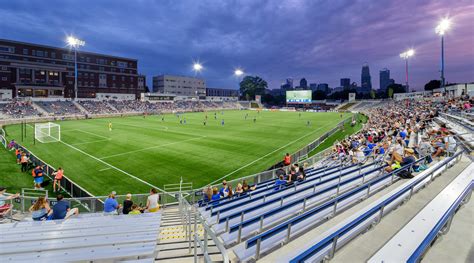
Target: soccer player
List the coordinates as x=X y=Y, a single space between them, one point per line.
x=308 y=123
x=204 y=122
x=254 y=119
x=163 y=118
x=222 y=122
x=110 y=126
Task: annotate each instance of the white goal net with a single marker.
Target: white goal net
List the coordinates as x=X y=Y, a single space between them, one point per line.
x=47 y=132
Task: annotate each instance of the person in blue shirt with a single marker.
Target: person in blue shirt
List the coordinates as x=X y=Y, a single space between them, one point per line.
x=280 y=182
x=215 y=195
x=111 y=205
x=61 y=209
x=224 y=191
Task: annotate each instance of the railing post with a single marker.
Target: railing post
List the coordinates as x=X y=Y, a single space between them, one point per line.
x=218 y=216
x=227 y=224
x=368 y=190
x=189 y=226
x=304 y=204
x=257 y=249
x=239 y=234
x=261 y=223
x=334 y=246
x=288 y=233
x=335 y=209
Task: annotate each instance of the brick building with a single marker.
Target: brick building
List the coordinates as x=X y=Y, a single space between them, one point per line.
x=44 y=71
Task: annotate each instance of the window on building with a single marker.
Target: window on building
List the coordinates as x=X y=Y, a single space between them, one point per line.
x=7 y=49
x=101 y=69
x=56 y=73
x=4 y=68
x=25 y=51
x=42 y=72
x=123 y=78
x=113 y=77
x=39 y=53
x=68 y=57
x=51 y=73
x=121 y=64
x=53 y=54
x=4 y=78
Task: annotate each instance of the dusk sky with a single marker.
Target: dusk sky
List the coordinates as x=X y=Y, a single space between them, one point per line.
x=322 y=41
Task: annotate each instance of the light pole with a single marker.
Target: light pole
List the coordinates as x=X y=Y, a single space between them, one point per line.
x=441 y=29
x=405 y=55
x=197 y=67
x=75 y=43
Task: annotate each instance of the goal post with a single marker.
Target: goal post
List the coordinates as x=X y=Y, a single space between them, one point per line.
x=47 y=132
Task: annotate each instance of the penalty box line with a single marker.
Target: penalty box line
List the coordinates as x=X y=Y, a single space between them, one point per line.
x=113 y=167
x=256 y=160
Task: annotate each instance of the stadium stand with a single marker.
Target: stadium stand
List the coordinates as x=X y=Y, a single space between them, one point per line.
x=406 y=149
x=82 y=238
x=18 y=109
x=59 y=108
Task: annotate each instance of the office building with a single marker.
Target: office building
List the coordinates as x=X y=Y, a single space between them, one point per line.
x=323 y=87
x=44 y=71
x=384 y=79
x=180 y=86
x=346 y=83
x=365 y=83
x=303 y=84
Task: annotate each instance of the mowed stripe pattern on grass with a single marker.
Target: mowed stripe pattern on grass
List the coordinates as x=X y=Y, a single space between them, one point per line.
x=161 y=152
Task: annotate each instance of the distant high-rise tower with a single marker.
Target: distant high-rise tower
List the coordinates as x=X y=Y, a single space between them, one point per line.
x=346 y=83
x=289 y=82
x=303 y=83
x=384 y=79
x=365 y=82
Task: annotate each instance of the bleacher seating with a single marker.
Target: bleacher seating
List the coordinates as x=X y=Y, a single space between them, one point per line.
x=18 y=109
x=411 y=242
x=59 y=108
x=81 y=238
x=325 y=245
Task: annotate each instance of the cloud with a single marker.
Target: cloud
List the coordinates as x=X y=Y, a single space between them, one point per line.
x=322 y=41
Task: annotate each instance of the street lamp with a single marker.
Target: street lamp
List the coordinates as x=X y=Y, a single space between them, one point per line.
x=441 y=29
x=405 y=55
x=75 y=43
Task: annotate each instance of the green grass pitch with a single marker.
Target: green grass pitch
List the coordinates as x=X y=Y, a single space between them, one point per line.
x=140 y=152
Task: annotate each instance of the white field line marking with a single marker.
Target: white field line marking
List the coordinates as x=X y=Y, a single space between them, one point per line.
x=81 y=143
x=113 y=167
x=254 y=161
x=105 y=169
x=152 y=147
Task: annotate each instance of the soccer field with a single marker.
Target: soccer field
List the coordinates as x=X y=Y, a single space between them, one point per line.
x=140 y=152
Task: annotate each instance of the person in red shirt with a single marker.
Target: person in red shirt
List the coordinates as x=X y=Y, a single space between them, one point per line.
x=58 y=176
x=287 y=159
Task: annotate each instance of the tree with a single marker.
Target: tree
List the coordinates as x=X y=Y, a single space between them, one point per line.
x=372 y=94
x=251 y=86
x=395 y=88
x=319 y=95
x=390 y=92
x=433 y=84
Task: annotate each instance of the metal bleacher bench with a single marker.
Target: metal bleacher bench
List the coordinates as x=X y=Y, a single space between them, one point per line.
x=325 y=245
x=82 y=238
x=411 y=242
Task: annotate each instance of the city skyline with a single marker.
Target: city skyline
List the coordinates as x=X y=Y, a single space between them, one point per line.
x=275 y=40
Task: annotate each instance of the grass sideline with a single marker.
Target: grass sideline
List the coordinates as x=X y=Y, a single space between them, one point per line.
x=340 y=135
x=143 y=152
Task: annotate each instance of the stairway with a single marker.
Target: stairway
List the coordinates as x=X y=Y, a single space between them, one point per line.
x=79 y=106
x=173 y=245
x=39 y=109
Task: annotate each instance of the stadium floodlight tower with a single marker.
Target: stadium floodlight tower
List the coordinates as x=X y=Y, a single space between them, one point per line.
x=197 y=67
x=406 y=55
x=441 y=29
x=239 y=73
x=75 y=43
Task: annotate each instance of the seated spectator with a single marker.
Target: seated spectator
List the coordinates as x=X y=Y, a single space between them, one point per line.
x=301 y=174
x=292 y=176
x=111 y=205
x=61 y=209
x=215 y=194
x=207 y=194
x=224 y=191
x=152 y=201
x=40 y=209
x=4 y=207
x=239 y=189
x=127 y=204
x=247 y=188
x=135 y=210
x=230 y=192
x=280 y=182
